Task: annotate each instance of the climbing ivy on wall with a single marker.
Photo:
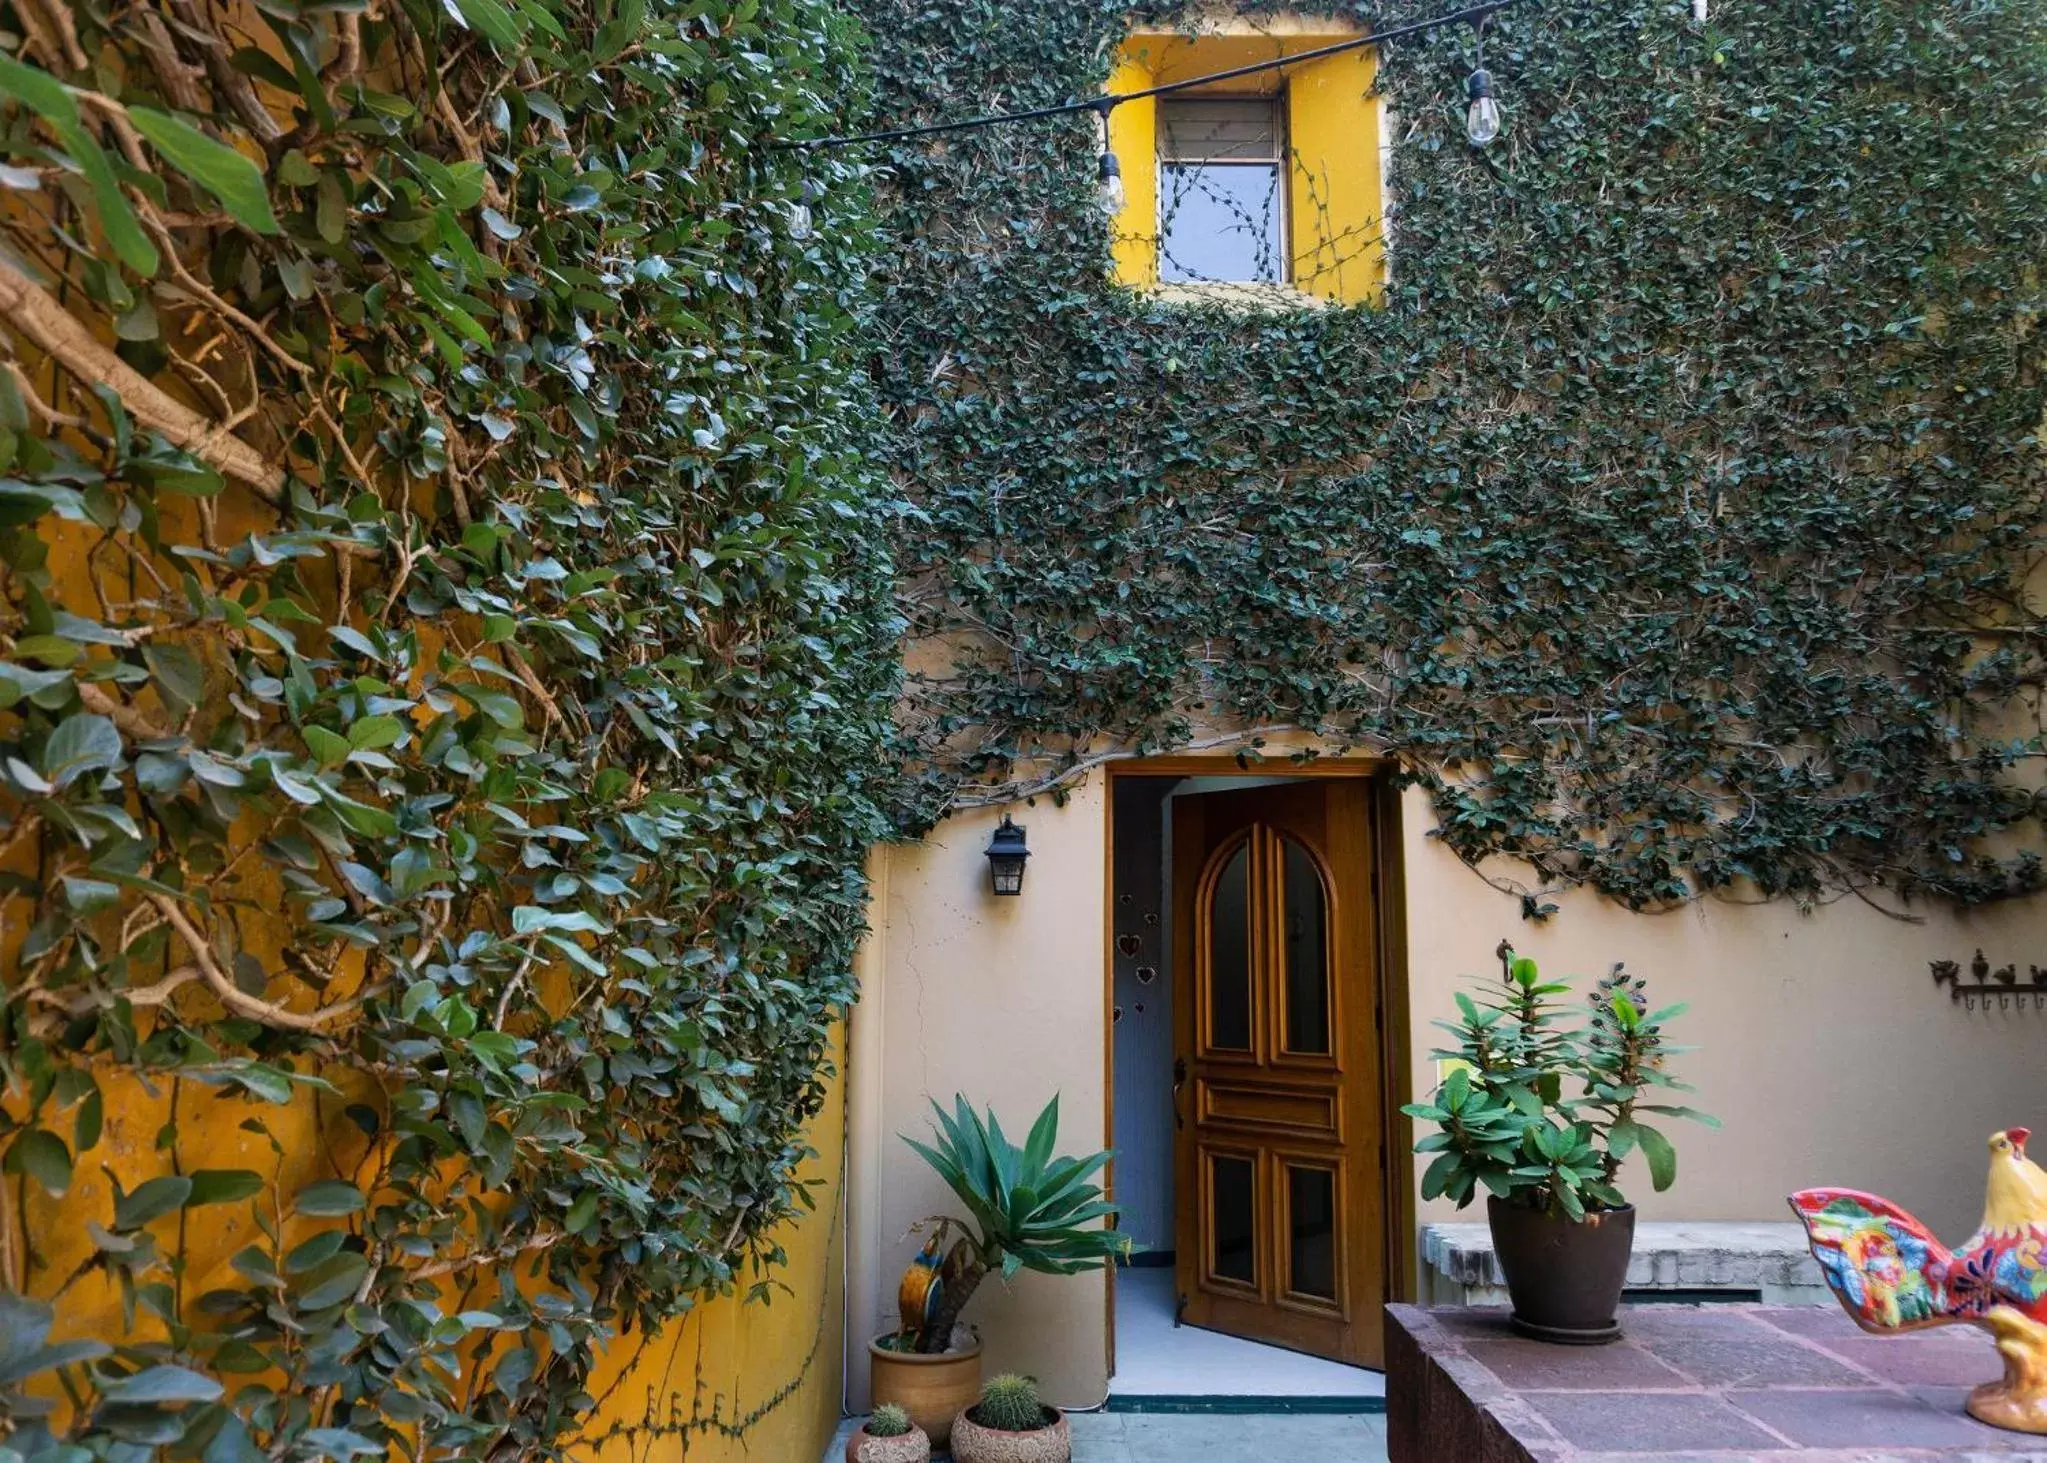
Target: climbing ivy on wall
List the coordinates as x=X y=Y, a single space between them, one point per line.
x=1669 y=523
x=446 y=668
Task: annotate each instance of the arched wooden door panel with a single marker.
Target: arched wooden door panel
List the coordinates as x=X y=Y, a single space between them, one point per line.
x=1281 y=1219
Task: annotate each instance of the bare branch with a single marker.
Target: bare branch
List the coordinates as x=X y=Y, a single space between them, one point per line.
x=120 y=713
x=154 y=994
x=235 y=88
x=233 y=996
x=484 y=1257
x=1014 y=792
x=38 y=316
x=178 y=76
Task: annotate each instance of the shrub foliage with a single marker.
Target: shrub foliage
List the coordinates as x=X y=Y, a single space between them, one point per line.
x=1669 y=523
x=446 y=668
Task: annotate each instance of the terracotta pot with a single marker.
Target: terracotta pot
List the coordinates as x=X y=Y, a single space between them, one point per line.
x=972 y=1443
x=932 y=1389
x=909 y=1447
x=1565 y=1277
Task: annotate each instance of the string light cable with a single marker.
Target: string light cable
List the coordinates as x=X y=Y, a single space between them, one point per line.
x=1478 y=88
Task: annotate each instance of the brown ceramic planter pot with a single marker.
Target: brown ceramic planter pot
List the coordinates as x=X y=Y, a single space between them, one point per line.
x=1565 y=1278
x=972 y=1443
x=932 y=1389
x=909 y=1447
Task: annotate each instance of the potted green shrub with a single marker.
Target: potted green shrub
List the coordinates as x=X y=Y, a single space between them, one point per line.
x=1011 y=1425
x=888 y=1437
x=1027 y=1210
x=1540 y=1112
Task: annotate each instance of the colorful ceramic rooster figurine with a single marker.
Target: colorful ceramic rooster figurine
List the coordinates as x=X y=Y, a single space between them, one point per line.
x=1893 y=1275
x=923 y=1287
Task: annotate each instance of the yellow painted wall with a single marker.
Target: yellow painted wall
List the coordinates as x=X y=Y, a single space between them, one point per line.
x=733 y=1380
x=1333 y=119
x=729 y=1380
x=1823 y=1044
x=1133 y=138
x=1333 y=122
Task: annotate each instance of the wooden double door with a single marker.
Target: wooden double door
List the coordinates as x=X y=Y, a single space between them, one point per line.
x=1278 y=1111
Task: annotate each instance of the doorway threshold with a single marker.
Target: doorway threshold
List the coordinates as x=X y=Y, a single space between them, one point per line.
x=1161 y=1367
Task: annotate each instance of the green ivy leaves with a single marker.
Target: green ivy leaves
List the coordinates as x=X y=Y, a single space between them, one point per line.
x=220 y=170
x=42 y=1156
x=493 y=784
x=329 y=1199
x=51 y=101
x=497 y=24
x=1648 y=526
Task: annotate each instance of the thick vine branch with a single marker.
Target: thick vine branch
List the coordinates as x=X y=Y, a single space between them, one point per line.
x=232 y=996
x=37 y=315
x=1075 y=771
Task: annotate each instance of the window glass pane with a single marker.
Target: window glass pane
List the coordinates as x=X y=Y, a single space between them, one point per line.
x=1229 y=955
x=1219 y=221
x=1233 y=1236
x=1220 y=214
x=1307 y=954
x=1215 y=129
x=1311 y=1218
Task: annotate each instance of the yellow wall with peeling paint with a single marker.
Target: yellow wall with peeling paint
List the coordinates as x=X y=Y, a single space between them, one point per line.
x=732 y=1379
x=737 y=1380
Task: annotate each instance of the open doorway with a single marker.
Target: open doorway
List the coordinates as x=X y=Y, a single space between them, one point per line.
x=1250 y=1083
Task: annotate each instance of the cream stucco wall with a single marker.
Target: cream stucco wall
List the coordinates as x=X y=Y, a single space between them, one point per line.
x=1000 y=999
x=1823 y=1044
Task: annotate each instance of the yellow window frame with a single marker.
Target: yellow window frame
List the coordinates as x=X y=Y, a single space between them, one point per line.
x=1334 y=123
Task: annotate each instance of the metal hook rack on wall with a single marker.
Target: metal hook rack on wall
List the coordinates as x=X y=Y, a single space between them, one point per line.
x=2001 y=985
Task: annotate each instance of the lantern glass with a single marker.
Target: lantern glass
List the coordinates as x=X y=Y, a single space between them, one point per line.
x=1006 y=856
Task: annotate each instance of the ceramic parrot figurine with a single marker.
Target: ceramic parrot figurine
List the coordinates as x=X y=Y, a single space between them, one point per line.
x=1892 y=1275
x=923 y=1287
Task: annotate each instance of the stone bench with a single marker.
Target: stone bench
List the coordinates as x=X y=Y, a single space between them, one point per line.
x=1760 y=1261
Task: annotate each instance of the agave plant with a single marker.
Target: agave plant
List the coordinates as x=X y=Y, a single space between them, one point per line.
x=1029 y=1210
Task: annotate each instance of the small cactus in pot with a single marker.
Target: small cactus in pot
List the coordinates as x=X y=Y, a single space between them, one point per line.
x=889 y=1421
x=1009 y=1404
x=889 y=1437
x=1011 y=1424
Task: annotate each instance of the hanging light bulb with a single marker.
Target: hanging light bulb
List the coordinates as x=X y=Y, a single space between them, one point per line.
x=801 y=223
x=1109 y=190
x=1481 y=111
x=1482 y=116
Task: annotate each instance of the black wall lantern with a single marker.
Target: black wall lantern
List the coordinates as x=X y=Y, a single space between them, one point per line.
x=1006 y=855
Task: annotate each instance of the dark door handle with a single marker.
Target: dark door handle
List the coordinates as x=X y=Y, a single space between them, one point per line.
x=1179 y=1081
